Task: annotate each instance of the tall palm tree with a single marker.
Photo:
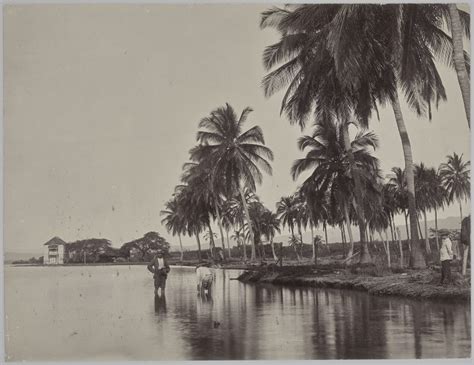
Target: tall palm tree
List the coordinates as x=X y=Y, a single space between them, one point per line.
x=455 y=174
x=394 y=48
x=174 y=222
x=236 y=156
x=331 y=171
x=458 y=29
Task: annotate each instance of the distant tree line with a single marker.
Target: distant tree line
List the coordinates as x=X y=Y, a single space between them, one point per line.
x=98 y=250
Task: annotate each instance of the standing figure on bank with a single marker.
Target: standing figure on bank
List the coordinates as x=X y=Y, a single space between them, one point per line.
x=159 y=268
x=446 y=256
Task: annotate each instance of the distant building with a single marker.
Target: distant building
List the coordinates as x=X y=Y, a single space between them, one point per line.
x=54 y=251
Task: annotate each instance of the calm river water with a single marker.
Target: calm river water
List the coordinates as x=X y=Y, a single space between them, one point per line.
x=110 y=313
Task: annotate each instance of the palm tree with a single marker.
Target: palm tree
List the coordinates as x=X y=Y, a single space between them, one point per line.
x=438 y=194
x=455 y=174
x=270 y=226
x=201 y=193
x=236 y=156
x=458 y=29
x=424 y=196
x=199 y=175
x=235 y=212
x=173 y=221
x=287 y=210
x=193 y=212
x=376 y=50
x=398 y=185
x=331 y=170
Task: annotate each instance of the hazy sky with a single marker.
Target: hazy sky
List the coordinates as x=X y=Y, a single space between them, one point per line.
x=102 y=104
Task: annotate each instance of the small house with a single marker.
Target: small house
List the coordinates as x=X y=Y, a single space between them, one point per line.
x=54 y=251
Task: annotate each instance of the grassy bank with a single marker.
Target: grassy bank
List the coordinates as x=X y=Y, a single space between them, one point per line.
x=420 y=284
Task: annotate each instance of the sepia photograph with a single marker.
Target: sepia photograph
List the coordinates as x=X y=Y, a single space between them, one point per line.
x=235 y=181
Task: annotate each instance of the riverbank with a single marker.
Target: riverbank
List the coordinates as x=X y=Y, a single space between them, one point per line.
x=419 y=284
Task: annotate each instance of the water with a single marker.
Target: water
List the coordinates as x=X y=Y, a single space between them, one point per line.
x=110 y=313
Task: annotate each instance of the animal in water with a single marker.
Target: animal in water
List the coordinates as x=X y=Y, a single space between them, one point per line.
x=205 y=277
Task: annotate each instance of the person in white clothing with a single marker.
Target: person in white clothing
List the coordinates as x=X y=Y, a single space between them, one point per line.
x=446 y=256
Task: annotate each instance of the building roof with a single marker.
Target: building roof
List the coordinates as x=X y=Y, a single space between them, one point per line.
x=55 y=241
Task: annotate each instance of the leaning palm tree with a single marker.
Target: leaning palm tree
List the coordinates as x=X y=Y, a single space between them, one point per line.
x=236 y=156
x=459 y=28
x=455 y=174
x=174 y=222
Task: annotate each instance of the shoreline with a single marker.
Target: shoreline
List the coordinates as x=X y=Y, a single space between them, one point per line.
x=420 y=285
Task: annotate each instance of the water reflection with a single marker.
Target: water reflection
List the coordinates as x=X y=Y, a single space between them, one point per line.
x=160 y=304
x=241 y=321
x=236 y=321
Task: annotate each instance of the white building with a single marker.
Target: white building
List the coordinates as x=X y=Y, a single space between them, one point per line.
x=54 y=251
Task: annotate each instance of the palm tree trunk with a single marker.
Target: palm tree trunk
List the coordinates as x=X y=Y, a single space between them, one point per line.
x=294 y=244
x=458 y=58
x=199 y=246
x=228 y=243
x=343 y=239
x=427 y=239
x=417 y=260
x=212 y=245
x=249 y=222
x=406 y=226
x=244 y=248
x=301 y=241
x=400 y=247
x=181 y=247
x=325 y=232
x=349 y=230
x=275 y=257
x=390 y=222
x=459 y=245
x=419 y=227
x=436 y=227
x=219 y=222
x=312 y=243
x=358 y=206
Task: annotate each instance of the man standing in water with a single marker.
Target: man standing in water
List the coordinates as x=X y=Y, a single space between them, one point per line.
x=445 y=256
x=159 y=268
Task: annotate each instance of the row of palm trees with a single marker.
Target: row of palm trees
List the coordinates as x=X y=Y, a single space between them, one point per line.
x=327 y=195
x=218 y=182
x=338 y=62
x=325 y=198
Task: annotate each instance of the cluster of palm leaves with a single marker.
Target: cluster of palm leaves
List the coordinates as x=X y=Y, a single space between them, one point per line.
x=338 y=62
x=217 y=184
